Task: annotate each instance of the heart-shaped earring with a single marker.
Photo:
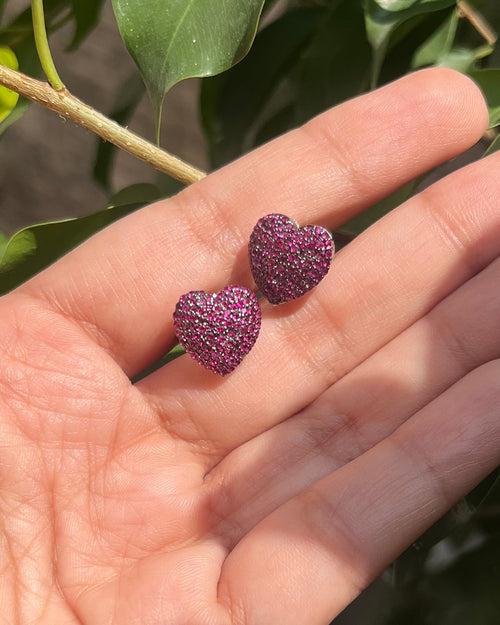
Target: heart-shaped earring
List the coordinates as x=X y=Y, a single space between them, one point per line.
x=288 y=261
x=218 y=329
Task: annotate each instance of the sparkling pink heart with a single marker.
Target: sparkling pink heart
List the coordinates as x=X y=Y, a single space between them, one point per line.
x=288 y=261
x=218 y=329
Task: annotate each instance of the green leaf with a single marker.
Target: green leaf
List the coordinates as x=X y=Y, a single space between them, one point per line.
x=3 y=242
x=8 y=98
x=129 y=95
x=439 y=49
x=86 y=13
x=439 y=43
x=248 y=87
x=395 y=5
x=322 y=79
x=172 y=40
x=381 y=24
x=489 y=82
x=494 y=146
x=279 y=122
x=167 y=185
x=32 y=249
x=464 y=59
x=17 y=112
x=173 y=354
x=135 y=195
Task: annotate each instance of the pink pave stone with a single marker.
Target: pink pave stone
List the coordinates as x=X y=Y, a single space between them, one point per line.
x=218 y=329
x=288 y=261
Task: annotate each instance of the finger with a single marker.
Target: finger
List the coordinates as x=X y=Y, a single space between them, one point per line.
x=362 y=409
x=122 y=285
x=330 y=542
x=379 y=285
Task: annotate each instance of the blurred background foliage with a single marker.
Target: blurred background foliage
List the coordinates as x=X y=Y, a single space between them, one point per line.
x=307 y=55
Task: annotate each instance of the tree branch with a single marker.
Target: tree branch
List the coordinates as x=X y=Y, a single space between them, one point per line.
x=478 y=22
x=70 y=107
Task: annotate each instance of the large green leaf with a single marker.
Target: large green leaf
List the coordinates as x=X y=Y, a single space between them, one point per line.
x=277 y=124
x=8 y=98
x=32 y=249
x=440 y=49
x=382 y=23
x=439 y=43
x=465 y=59
x=405 y=40
x=232 y=102
x=167 y=185
x=16 y=114
x=396 y=5
x=335 y=65
x=172 y=40
x=489 y=82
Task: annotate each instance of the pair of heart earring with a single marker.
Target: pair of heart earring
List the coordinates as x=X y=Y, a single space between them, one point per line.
x=218 y=330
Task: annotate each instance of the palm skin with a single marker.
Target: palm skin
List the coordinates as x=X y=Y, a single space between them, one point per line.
x=124 y=516
x=277 y=494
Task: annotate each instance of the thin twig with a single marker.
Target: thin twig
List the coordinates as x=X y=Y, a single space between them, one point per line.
x=70 y=107
x=478 y=22
x=42 y=45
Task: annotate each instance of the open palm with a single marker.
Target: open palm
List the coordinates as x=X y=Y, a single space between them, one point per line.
x=276 y=494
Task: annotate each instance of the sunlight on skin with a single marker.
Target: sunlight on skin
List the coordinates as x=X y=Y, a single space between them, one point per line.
x=277 y=494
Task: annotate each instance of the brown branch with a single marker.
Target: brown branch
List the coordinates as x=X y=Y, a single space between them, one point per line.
x=70 y=107
x=478 y=22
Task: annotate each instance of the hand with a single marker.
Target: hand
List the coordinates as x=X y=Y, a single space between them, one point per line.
x=276 y=494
